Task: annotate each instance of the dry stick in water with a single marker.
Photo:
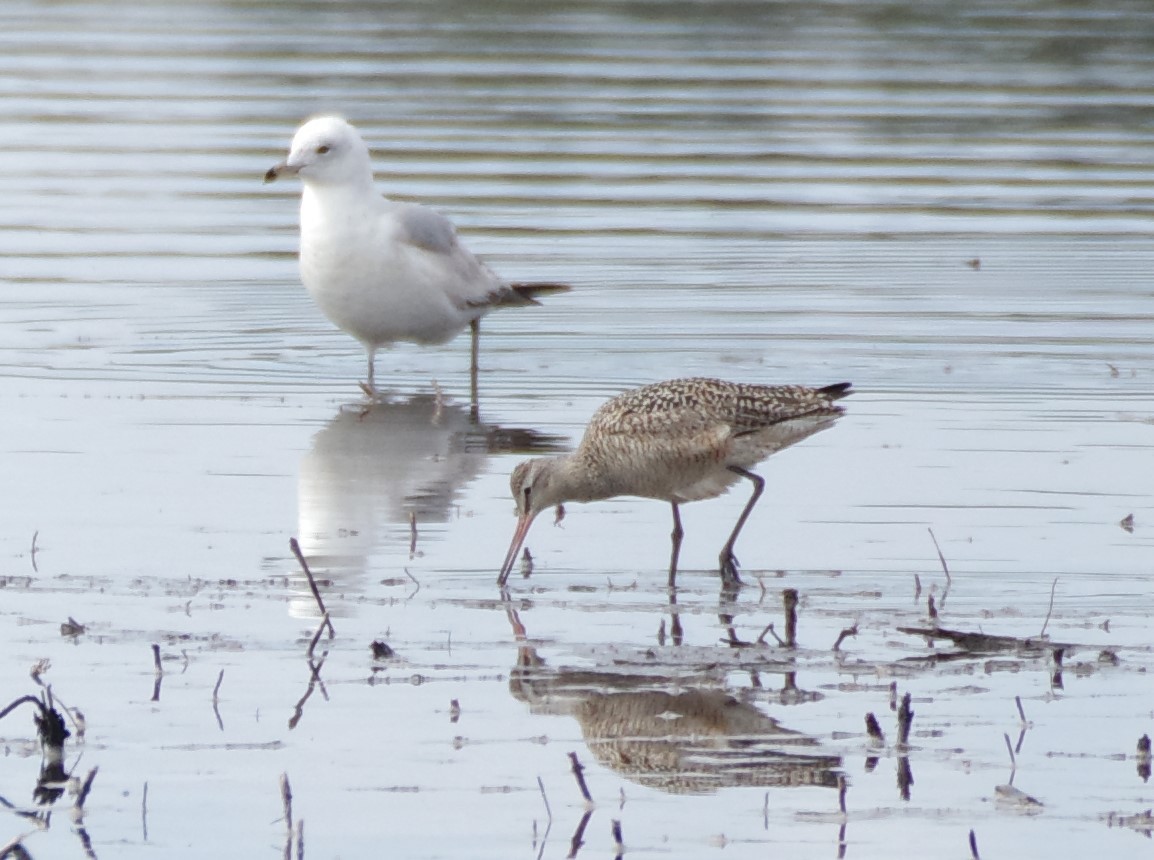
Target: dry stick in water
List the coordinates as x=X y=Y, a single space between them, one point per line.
x=618 y=843
x=905 y=721
x=876 y=735
x=412 y=533
x=849 y=631
x=159 y=674
x=579 y=774
x=789 y=599
x=35 y=534
x=85 y=787
x=296 y=548
x=769 y=629
x=286 y=794
x=1013 y=760
x=144 y=812
x=1053 y=585
x=941 y=557
x=1021 y=710
x=216 y=700
x=974 y=847
x=300 y=839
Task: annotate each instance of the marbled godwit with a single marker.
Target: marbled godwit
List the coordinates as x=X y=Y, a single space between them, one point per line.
x=384 y=271
x=678 y=441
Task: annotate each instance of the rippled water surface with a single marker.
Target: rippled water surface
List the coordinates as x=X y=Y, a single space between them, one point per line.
x=948 y=204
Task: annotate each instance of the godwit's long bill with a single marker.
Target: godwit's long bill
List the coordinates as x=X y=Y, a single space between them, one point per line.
x=678 y=441
x=384 y=271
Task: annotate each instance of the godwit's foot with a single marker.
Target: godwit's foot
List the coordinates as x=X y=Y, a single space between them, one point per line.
x=729 y=568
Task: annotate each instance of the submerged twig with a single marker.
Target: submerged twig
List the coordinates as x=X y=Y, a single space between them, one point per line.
x=296 y=548
x=579 y=834
x=545 y=798
x=286 y=796
x=317 y=635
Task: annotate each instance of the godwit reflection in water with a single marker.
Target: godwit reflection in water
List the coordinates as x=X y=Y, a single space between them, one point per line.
x=676 y=728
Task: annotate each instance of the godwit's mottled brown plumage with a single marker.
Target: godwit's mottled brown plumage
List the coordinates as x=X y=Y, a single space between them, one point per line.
x=678 y=441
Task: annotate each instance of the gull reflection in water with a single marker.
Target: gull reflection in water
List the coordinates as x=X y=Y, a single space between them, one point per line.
x=371 y=471
x=673 y=727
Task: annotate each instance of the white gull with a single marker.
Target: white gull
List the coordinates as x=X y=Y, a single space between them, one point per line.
x=385 y=271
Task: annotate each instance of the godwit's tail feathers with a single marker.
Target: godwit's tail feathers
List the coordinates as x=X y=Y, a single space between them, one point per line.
x=837 y=391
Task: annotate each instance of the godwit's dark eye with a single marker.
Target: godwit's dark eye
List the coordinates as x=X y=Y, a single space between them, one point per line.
x=526 y=491
x=322 y=149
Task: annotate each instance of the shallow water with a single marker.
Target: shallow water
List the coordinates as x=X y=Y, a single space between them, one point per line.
x=950 y=208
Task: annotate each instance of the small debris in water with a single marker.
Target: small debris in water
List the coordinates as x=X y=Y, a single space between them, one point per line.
x=454 y=707
x=382 y=650
x=1128 y=523
x=71 y=627
x=1007 y=794
x=1143 y=822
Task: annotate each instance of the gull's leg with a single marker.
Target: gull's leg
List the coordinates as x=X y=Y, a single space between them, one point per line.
x=727 y=558
x=474 y=350
x=369 y=386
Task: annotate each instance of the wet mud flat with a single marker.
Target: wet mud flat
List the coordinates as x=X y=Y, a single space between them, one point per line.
x=448 y=719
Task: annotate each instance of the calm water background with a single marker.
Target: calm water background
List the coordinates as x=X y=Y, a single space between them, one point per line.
x=949 y=205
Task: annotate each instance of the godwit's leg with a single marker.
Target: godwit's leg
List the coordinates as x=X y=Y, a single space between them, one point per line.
x=677 y=535
x=727 y=558
x=474 y=351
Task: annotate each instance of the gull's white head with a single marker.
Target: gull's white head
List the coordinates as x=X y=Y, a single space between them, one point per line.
x=326 y=151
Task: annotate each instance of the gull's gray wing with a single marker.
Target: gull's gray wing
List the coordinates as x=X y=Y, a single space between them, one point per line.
x=426 y=228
